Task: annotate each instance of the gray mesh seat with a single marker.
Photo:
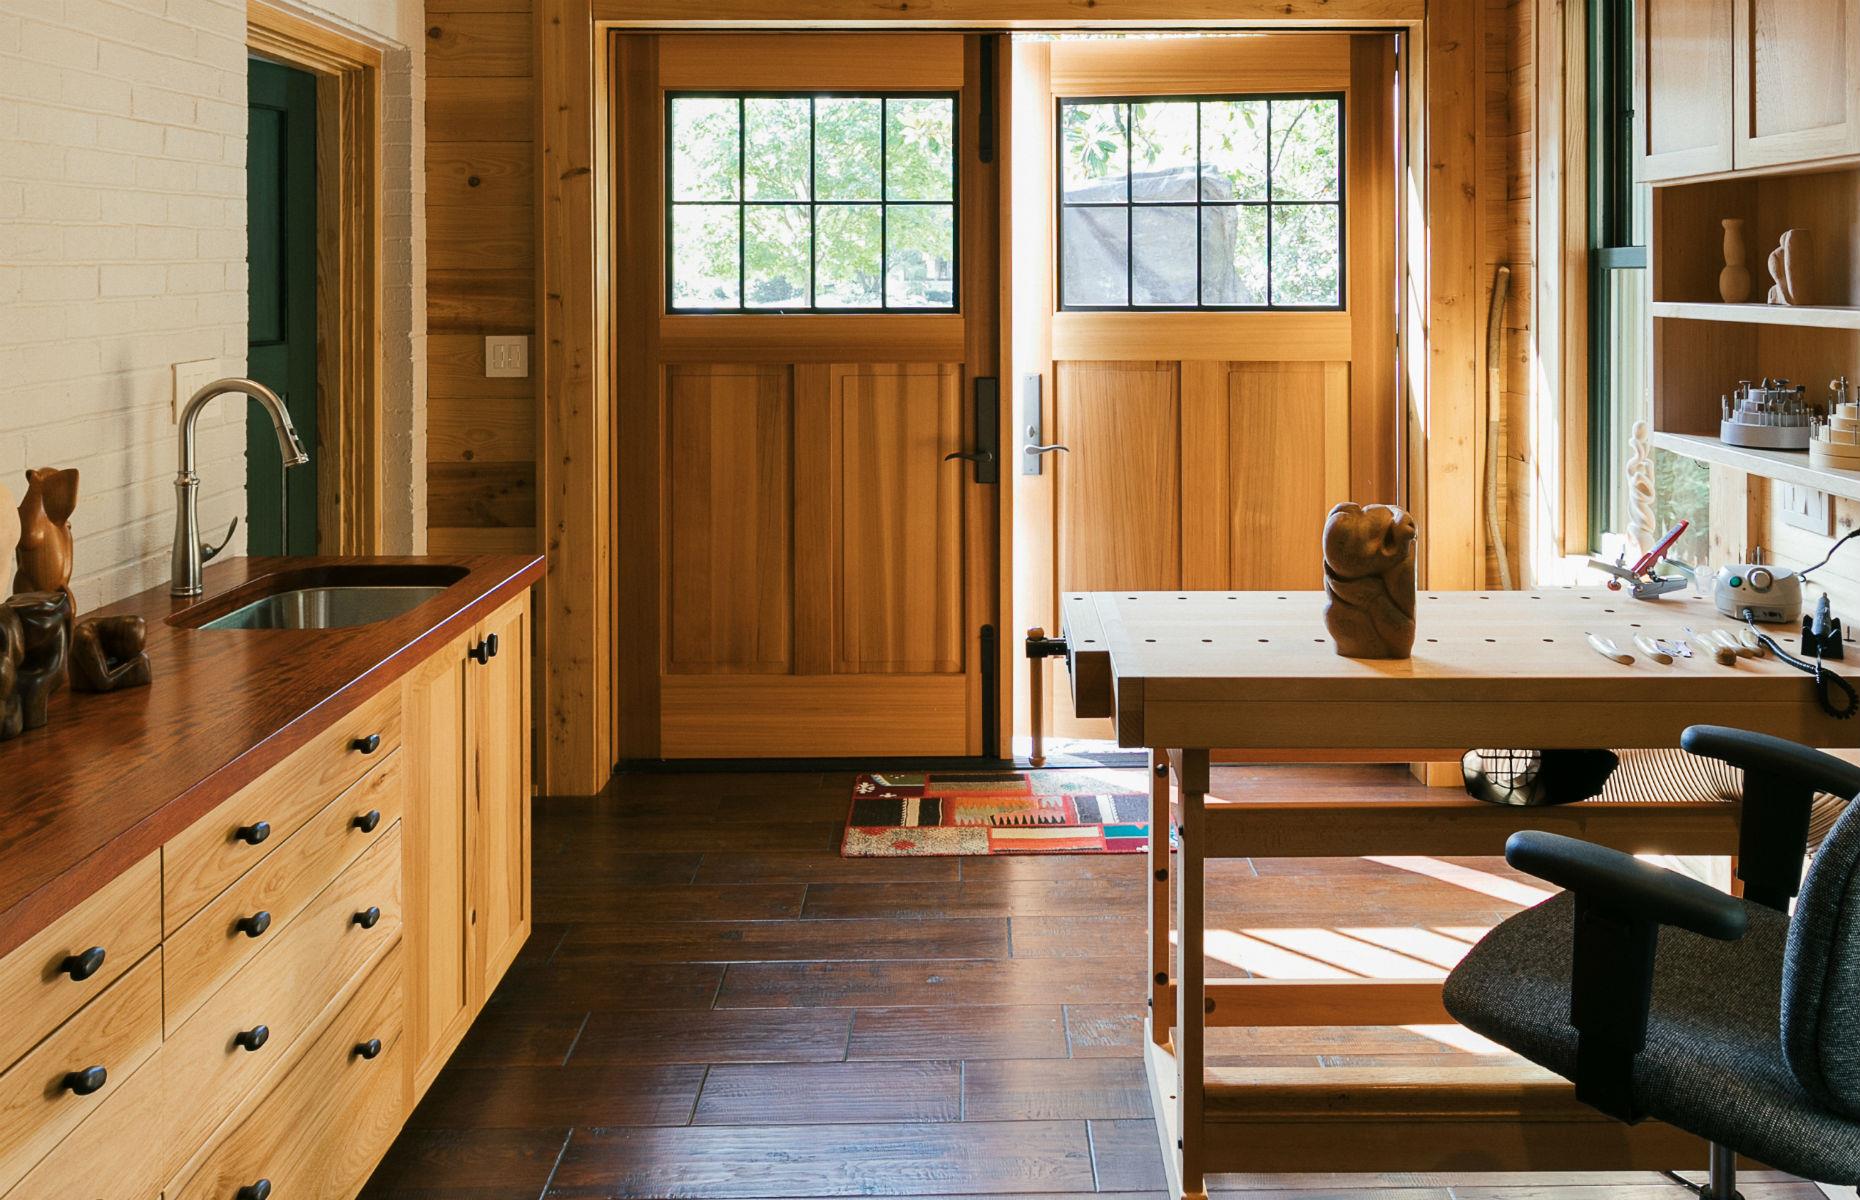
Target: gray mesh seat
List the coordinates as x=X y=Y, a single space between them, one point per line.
x=1752 y=1034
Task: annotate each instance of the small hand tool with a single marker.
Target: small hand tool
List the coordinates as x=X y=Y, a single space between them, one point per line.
x=1607 y=649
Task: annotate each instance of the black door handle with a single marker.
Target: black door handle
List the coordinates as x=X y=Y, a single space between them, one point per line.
x=82 y=966
x=83 y=1083
x=368 y=820
x=368 y=918
x=253 y=1038
x=987 y=432
x=254 y=925
x=481 y=653
x=254 y=833
x=368 y=1049
x=978 y=457
x=367 y=745
x=256 y=1191
x=491 y=645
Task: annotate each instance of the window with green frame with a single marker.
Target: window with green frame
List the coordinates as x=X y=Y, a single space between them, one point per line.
x=1620 y=290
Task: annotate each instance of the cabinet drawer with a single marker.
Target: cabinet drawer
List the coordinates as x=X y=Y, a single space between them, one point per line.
x=117 y=1153
x=319 y=1132
x=282 y=989
x=75 y=957
x=226 y=843
x=260 y=905
x=41 y=1097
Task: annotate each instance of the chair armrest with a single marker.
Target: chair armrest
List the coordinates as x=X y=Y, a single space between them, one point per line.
x=1780 y=782
x=1774 y=757
x=1616 y=880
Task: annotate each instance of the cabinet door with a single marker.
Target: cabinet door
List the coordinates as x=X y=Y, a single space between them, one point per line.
x=498 y=734
x=1798 y=80
x=436 y=863
x=1682 y=59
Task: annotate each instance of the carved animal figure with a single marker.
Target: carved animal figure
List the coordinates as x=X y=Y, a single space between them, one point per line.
x=45 y=557
x=46 y=620
x=1369 y=580
x=107 y=654
x=12 y=651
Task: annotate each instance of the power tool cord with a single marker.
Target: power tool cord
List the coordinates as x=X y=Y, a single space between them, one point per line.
x=1828 y=685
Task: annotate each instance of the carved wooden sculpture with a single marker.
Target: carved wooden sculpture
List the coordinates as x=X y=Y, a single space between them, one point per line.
x=107 y=654
x=12 y=651
x=1792 y=269
x=1734 y=280
x=45 y=557
x=46 y=619
x=1369 y=580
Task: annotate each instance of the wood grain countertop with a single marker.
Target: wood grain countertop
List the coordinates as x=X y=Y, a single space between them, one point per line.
x=115 y=775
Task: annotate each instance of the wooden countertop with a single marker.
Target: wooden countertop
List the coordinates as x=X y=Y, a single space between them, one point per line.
x=115 y=775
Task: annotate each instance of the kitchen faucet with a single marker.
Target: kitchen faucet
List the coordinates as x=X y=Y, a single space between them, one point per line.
x=190 y=554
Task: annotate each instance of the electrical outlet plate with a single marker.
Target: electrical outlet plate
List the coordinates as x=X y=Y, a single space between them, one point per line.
x=1804 y=508
x=506 y=356
x=190 y=377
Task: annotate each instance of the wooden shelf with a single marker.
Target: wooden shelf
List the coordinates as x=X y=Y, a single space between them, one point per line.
x=1790 y=466
x=1799 y=316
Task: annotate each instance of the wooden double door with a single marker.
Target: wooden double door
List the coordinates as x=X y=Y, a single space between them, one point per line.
x=804 y=571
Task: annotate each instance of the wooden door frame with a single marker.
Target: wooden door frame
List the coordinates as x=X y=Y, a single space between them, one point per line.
x=348 y=256
x=1441 y=258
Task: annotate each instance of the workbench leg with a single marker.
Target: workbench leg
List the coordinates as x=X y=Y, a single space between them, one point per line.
x=1190 y=1011
x=1160 y=1017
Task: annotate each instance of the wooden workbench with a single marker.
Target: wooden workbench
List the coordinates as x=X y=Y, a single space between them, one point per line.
x=1186 y=673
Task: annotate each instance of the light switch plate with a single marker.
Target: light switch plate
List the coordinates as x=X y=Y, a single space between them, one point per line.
x=506 y=356
x=190 y=377
x=1804 y=508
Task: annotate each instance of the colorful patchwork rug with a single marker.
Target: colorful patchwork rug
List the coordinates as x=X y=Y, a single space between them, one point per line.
x=1076 y=811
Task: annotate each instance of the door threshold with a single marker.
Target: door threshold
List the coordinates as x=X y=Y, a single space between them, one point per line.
x=765 y=766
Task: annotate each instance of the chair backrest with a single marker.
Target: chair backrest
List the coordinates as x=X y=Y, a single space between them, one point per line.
x=1821 y=973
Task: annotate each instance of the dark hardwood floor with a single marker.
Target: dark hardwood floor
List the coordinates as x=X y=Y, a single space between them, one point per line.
x=715 y=1004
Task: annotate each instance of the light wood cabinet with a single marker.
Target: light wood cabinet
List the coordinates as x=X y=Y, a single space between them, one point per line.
x=1797 y=65
x=468 y=865
x=1683 y=75
x=394 y=877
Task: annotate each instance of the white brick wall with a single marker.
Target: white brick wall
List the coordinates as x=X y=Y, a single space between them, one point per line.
x=122 y=252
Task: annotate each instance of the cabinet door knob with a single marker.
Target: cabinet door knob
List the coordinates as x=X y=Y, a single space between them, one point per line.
x=253 y=1038
x=368 y=917
x=82 y=966
x=254 y=925
x=481 y=653
x=369 y=1049
x=368 y=820
x=367 y=745
x=255 y=1191
x=491 y=645
x=83 y=1083
x=254 y=833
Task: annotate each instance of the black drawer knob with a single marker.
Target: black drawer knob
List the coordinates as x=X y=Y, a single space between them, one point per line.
x=253 y=1038
x=254 y=925
x=367 y=745
x=255 y=1191
x=369 y=1049
x=368 y=820
x=83 y=1083
x=82 y=966
x=254 y=833
x=490 y=645
x=481 y=653
x=368 y=918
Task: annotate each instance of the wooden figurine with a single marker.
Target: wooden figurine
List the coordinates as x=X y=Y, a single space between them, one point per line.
x=107 y=654
x=1369 y=580
x=46 y=620
x=12 y=652
x=45 y=557
x=1640 y=488
x=1791 y=269
x=1734 y=280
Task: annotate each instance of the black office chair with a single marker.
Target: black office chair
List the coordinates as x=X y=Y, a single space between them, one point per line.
x=1737 y=1022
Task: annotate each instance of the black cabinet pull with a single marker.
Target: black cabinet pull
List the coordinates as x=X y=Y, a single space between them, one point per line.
x=368 y=820
x=369 y=1049
x=83 y=1083
x=491 y=645
x=368 y=917
x=254 y=833
x=254 y=925
x=367 y=745
x=82 y=966
x=481 y=653
x=253 y=1038
x=256 y=1191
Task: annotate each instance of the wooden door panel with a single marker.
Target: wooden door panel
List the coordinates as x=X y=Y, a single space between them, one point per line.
x=1287 y=429
x=897 y=524
x=1684 y=59
x=730 y=519
x=1118 y=490
x=1798 y=80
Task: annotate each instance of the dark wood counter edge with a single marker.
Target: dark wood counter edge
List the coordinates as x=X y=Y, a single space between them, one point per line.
x=494 y=580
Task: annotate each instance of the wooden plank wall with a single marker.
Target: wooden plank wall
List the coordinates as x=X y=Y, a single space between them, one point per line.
x=481 y=272
x=1510 y=99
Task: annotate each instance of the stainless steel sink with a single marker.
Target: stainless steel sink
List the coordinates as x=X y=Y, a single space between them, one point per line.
x=326 y=607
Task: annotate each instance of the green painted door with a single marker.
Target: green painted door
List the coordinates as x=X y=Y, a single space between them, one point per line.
x=281 y=280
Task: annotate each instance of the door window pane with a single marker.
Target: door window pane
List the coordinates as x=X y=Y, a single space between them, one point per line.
x=1215 y=202
x=811 y=203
